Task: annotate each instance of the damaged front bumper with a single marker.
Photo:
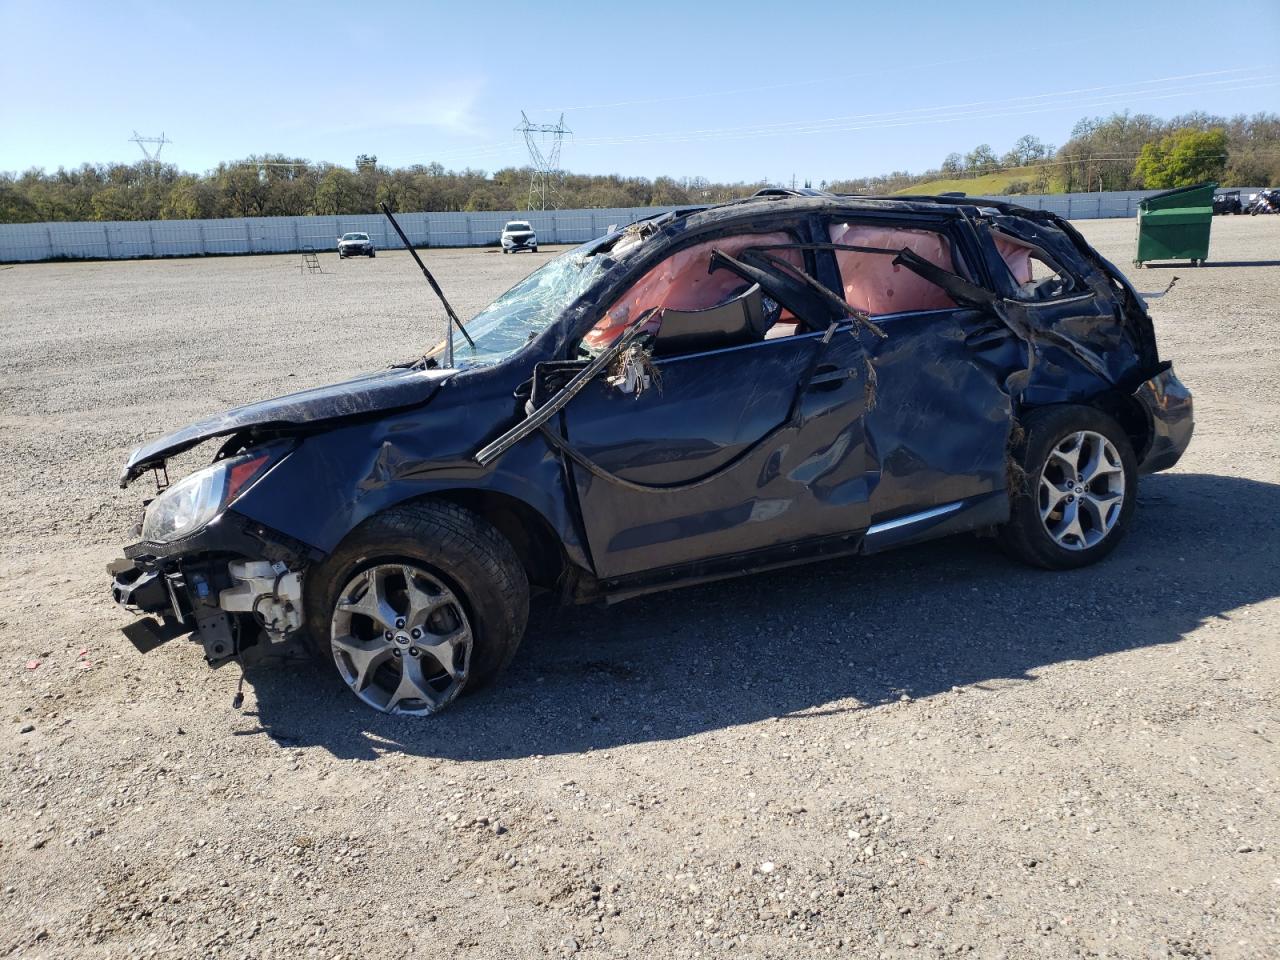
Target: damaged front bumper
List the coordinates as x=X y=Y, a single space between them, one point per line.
x=1168 y=405
x=231 y=583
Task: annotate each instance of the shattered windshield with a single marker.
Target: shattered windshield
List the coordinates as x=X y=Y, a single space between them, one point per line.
x=525 y=310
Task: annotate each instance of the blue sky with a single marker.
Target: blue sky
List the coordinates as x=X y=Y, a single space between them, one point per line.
x=733 y=91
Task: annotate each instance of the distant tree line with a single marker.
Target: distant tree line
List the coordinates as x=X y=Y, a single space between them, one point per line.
x=1121 y=152
x=274 y=185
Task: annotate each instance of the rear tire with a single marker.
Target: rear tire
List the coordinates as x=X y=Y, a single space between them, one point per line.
x=461 y=554
x=1076 y=490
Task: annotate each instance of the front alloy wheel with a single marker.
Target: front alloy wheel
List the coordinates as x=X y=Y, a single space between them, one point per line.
x=401 y=639
x=419 y=603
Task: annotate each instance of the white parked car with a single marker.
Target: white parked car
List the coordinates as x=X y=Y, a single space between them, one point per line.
x=519 y=235
x=355 y=244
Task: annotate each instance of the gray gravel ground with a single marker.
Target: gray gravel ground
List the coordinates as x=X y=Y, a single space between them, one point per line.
x=936 y=752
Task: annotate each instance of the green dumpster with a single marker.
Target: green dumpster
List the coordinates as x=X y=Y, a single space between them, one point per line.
x=1175 y=225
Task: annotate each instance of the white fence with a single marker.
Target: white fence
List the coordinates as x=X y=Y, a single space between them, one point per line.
x=184 y=238
x=123 y=240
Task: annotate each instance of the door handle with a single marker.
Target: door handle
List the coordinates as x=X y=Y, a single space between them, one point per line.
x=829 y=377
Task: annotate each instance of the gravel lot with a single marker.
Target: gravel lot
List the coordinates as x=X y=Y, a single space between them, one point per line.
x=933 y=752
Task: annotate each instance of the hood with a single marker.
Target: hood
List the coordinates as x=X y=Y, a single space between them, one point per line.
x=379 y=392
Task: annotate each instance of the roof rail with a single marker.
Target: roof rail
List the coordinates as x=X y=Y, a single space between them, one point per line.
x=791 y=192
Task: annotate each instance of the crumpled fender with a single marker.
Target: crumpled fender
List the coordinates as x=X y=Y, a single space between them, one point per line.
x=321 y=407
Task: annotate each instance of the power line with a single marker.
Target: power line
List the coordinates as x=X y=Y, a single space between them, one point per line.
x=844 y=78
x=939 y=114
x=1108 y=95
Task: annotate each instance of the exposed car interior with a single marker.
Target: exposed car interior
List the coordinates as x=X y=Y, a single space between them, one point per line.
x=684 y=283
x=707 y=308
x=739 y=320
x=874 y=284
x=1037 y=277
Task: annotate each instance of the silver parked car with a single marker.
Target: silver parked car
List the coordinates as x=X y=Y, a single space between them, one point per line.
x=355 y=244
x=519 y=235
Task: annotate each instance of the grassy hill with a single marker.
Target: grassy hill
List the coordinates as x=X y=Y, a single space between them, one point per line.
x=992 y=184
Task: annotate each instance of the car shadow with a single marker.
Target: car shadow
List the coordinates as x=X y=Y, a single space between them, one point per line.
x=1183 y=265
x=832 y=636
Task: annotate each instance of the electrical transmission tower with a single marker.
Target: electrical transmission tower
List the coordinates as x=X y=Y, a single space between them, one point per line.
x=543 y=141
x=145 y=144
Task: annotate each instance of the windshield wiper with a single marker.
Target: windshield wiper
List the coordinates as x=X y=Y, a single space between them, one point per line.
x=453 y=317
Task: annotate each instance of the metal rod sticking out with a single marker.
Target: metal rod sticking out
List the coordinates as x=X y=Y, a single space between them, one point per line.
x=453 y=317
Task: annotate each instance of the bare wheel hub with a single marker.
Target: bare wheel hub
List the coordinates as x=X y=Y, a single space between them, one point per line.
x=401 y=639
x=1081 y=490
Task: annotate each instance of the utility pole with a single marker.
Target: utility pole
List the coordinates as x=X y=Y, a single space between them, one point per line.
x=150 y=146
x=544 y=180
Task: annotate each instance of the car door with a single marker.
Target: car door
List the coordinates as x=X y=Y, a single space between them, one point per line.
x=728 y=452
x=938 y=429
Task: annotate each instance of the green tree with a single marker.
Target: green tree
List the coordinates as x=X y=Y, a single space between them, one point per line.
x=981 y=159
x=338 y=192
x=1184 y=157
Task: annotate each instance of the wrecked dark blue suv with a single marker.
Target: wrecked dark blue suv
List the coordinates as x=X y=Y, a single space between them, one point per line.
x=703 y=394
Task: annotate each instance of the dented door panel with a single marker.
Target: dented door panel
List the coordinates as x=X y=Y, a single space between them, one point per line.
x=727 y=458
x=939 y=428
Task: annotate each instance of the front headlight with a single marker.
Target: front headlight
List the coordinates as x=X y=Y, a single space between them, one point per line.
x=194 y=501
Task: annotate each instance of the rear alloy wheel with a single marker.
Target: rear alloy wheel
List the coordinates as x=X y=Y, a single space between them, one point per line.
x=1078 y=489
x=401 y=639
x=1081 y=490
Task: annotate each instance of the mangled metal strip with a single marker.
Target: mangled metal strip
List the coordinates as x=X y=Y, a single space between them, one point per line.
x=832 y=300
x=970 y=294
x=524 y=428
x=1011 y=312
x=791 y=420
x=796 y=289
x=448 y=308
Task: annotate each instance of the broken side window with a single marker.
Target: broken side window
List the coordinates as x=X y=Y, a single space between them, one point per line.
x=874 y=284
x=1035 y=275
x=683 y=282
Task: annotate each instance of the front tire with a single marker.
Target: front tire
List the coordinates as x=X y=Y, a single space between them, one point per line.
x=1075 y=490
x=418 y=604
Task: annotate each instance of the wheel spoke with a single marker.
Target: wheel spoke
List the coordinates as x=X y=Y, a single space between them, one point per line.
x=364 y=656
x=373 y=603
x=1052 y=498
x=1099 y=508
x=413 y=685
x=1069 y=528
x=422 y=603
x=1099 y=464
x=444 y=650
x=1070 y=456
